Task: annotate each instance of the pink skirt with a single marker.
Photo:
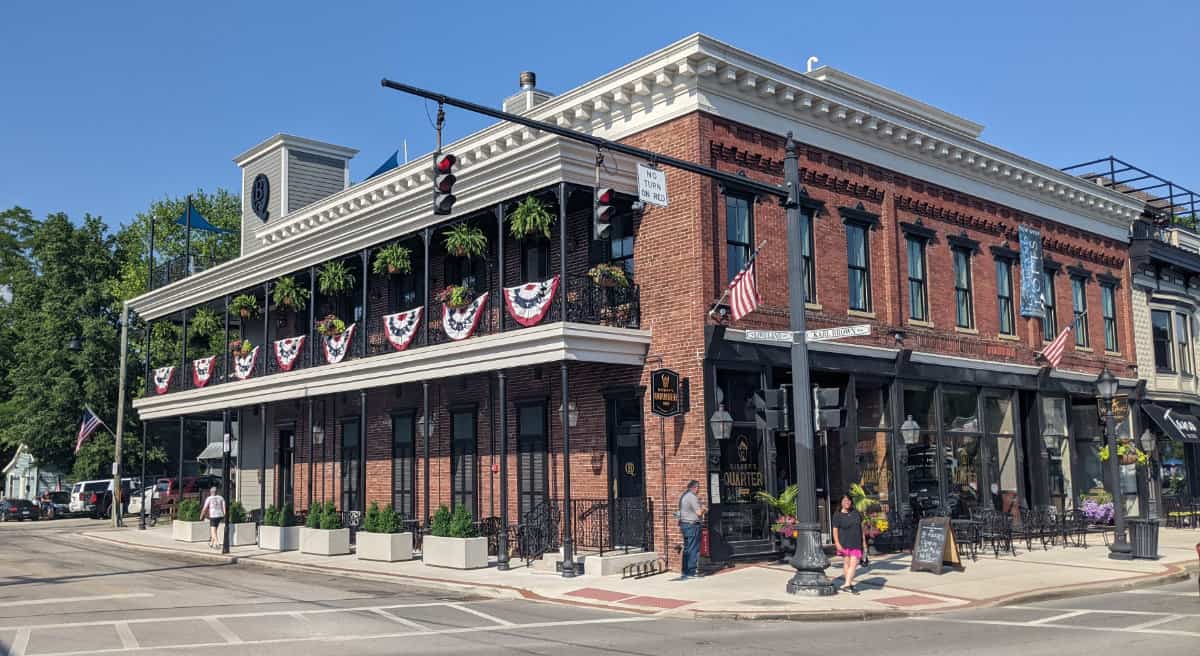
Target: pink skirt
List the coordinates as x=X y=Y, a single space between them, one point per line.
x=848 y=553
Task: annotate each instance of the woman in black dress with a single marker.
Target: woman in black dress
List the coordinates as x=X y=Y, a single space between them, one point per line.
x=848 y=538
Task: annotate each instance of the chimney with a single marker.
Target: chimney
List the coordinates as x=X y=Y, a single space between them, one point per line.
x=528 y=97
x=285 y=173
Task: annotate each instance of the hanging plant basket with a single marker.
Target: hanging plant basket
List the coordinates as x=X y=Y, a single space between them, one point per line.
x=456 y=297
x=465 y=240
x=393 y=259
x=529 y=218
x=289 y=295
x=245 y=305
x=609 y=276
x=335 y=278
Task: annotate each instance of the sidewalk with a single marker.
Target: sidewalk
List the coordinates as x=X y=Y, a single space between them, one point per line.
x=752 y=591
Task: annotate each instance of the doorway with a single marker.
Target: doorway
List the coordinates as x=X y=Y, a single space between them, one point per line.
x=285 y=465
x=627 y=476
x=532 y=452
x=351 y=471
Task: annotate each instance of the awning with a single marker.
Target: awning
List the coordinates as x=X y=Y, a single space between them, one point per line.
x=213 y=451
x=1177 y=425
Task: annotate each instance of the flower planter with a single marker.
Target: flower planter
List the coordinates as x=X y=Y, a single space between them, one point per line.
x=455 y=553
x=189 y=531
x=386 y=547
x=321 y=542
x=279 y=538
x=240 y=535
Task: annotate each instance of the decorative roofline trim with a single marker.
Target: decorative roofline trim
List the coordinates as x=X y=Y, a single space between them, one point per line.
x=860 y=216
x=963 y=241
x=919 y=231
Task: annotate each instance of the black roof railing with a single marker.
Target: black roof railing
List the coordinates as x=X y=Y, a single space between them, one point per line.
x=1174 y=203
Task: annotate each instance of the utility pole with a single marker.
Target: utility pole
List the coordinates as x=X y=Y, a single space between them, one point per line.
x=120 y=434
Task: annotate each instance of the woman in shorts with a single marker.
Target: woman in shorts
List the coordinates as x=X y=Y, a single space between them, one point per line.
x=848 y=538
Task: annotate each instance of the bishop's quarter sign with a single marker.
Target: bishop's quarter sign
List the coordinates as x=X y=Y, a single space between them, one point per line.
x=260 y=196
x=664 y=393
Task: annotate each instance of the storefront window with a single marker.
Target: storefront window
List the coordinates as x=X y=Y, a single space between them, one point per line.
x=959 y=410
x=1003 y=473
x=873 y=405
x=742 y=517
x=920 y=450
x=874 y=467
x=1058 y=450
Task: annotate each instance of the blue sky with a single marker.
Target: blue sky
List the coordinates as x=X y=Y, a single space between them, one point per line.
x=105 y=107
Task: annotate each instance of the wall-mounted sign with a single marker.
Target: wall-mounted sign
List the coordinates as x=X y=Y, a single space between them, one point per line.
x=260 y=195
x=664 y=393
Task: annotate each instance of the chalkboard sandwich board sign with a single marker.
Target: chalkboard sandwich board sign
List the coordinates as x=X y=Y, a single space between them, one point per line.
x=934 y=548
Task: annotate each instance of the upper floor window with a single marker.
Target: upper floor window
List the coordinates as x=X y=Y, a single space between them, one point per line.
x=1160 y=328
x=858 y=263
x=806 y=252
x=1108 y=299
x=620 y=244
x=964 y=313
x=918 y=299
x=1004 y=295
x=739 y=233
x=1050 y=319
x=1079 y=305
x=535 y=259
x=1183 y=334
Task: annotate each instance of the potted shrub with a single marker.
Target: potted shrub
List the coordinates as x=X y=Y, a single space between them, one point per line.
x=245 y=305
x=330 y=325
x=323 y=534
x=608 y=275
x=1128 y=454
x=335 y=278
x=380 y=537
x=187 y=526
x=456 y=297
x=530 y=217
x=277 y=532
x=784 y=506
x=241 y=532
x=393 y=258
x=465 y=240
x=451 y=542
x=289 y=295
x=204 y=323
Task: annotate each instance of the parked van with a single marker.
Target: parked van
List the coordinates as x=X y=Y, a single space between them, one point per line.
x=95 y=497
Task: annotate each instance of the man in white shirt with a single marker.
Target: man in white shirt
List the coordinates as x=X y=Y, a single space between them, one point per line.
x=214 y=509
x=690 y=513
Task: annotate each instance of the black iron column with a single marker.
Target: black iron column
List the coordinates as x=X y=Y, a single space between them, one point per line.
x=426 y=237
x=311 y=453
x=262 y=470
x=267 y=345
x=183 y=349
x=362 y=446
x=362 y=342
x=568 y=543
x=502 y=542
x=226 y=439
x=145 y=506
x=227 y=355
x=500 y=259
x=809 y=560
x=563 y=283
x=425 y=415
x=312 y=343
x=179 y=481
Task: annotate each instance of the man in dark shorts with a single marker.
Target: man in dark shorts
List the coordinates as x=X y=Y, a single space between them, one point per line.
x=214 y=510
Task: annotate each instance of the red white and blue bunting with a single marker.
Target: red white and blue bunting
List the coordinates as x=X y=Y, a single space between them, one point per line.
x=401 y=327
x=528 y=304
x=162 y=379
x=287 y=351
x=337 y=346
x=243 y=365
x=461 y=324
x=202 y=370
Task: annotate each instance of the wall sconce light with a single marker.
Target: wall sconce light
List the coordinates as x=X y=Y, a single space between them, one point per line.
x=721 y=423
x=318 y=434
x=572 y=414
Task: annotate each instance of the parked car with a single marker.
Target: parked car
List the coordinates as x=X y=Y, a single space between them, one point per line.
x=85 y=494
x=53 y=505
x=17 y=509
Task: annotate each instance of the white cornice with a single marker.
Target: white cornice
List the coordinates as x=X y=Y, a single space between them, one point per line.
x=549 y=343
x=282 y=140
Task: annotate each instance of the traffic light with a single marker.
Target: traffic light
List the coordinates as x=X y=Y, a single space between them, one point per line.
x=827 y=410
x=771 y=410
x=604 y=211
x=443 y=182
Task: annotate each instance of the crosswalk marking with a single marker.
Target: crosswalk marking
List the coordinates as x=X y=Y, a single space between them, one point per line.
x=20 y=642
x=490 y=618
x=128 y=640
x=1054 y=618
x=1162 y=620
x=223 y=631
x=399 y=620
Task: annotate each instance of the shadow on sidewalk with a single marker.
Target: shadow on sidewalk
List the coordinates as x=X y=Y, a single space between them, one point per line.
x=30 y=580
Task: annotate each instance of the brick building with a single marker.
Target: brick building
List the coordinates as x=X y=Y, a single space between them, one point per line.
x=912 y=227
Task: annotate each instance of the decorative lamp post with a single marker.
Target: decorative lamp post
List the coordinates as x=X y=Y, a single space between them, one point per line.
x=721 y=423
x=1106 y=387
x=1148 y=442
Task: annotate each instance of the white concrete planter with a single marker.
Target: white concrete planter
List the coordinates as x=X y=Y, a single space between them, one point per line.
x=323 y=542
x=189 y=531
x=279 y=538
x=388 y=547
x=456 y=553
x=240 y=535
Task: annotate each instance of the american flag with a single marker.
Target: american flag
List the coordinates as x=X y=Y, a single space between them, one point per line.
x=1054 y=350
x=87 y=426
x=743 y=291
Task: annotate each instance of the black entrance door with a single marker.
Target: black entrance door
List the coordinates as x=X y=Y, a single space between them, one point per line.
x=626 y=449
x=351 y=471
x=532 y=451
x=285 y=466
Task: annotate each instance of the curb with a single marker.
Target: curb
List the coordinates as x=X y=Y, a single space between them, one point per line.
x=1175 y=573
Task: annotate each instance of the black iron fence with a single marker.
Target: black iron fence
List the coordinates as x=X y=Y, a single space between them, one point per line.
x=176 y=269
x=606 y=525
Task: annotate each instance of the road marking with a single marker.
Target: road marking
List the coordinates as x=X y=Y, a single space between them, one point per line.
x=385 y=636
x=1054 y=618
x=1100 y=610
x=1068 y=627
x=490 y=618
x=20 y=643
x=223 y=631
x=67 y=600
x=298 y=616
x=1155 y=622
x=399 y=620
x=1172 y=593
x=128 y=640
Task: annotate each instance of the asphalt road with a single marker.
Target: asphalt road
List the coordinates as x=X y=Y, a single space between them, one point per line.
x=62 y=594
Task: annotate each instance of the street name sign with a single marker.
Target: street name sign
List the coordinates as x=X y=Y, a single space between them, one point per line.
x=652 y=185
x=819 y=335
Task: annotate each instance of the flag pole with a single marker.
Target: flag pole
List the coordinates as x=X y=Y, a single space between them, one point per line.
x=725 y=293
x=187 y=240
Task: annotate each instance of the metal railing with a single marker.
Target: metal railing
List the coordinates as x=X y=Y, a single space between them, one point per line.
x=176 y=269
x=607 y=525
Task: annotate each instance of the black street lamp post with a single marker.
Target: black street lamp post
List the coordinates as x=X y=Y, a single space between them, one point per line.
x=1106 y=385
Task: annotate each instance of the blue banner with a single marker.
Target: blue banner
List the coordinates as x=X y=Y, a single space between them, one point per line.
x=1031 y=273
